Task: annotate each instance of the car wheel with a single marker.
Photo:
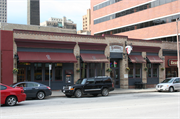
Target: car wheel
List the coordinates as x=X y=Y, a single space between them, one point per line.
x=11 y=100
x=171 y=89
x=68 y=96
x=105 y=92
x=40 y=95
x=78 y=93
x=159 y=91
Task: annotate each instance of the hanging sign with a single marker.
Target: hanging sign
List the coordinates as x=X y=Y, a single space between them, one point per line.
x=128 y=49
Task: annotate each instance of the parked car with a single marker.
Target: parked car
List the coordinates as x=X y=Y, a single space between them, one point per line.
x=10 y=96
x=94 y=86
x=34 y=89
x=169 y=84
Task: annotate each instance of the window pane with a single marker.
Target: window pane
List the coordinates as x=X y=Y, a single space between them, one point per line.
x=138 y=70
x=91 y=72
x=149 y=69
x=38 y=71
x=83 y=73
x=58 y=71
x=131 y=70
x=155 y=72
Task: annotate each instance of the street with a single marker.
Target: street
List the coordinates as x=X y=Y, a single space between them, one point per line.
x=163 y=105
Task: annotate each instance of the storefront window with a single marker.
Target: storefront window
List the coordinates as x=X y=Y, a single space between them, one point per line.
x=138 y=70
x=38 y=71
x=135 y=70
x=83 y=70
x=29 y=73
x=58 y=71
x=47 y=71
x=100 y=69
x=152 y=70
x=149 y=69
x=131 y=71
x=92 y=69
x=171 y=72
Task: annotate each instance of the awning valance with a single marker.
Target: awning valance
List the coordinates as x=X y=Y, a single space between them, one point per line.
x=100 y=58
x=137 y=59
x=49 y=57
x=154 y=59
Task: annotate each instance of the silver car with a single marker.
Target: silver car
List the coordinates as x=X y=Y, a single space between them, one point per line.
x=169 y=84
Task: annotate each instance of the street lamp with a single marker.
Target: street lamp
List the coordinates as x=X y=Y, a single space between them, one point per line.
x=178 y=64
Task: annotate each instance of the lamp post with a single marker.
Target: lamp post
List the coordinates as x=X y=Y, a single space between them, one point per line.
x=178 y=64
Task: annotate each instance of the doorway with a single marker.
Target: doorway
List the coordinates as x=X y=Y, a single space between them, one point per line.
x=115 y=74
x=21 y=76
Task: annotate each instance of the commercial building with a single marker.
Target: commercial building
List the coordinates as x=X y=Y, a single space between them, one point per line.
x=60 y=23
x=33 y=12
x=87 y=21
x=74 y=56
x=3 y=10
x=139 y=19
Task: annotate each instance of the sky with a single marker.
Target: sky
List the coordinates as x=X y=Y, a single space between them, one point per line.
x=71 y=9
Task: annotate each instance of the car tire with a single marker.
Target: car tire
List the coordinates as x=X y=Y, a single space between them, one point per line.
x=68 y=96
x=159 y=91
x=78 y=93
x=171 y=89
x=40 y=95
x=105 y=92
x=11 y=101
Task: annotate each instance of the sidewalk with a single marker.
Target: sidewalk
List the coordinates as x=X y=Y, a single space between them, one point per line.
x=57 y=93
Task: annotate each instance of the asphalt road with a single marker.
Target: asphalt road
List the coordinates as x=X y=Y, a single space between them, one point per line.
x=153 y=105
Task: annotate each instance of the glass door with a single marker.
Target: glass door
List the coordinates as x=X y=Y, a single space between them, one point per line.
x=115 y=74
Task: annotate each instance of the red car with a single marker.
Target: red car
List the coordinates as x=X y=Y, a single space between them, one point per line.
x=10 y=96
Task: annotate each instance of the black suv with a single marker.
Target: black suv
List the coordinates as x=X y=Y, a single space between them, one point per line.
x=94 y=86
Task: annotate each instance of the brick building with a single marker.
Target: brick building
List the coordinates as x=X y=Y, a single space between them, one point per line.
x=32 y=51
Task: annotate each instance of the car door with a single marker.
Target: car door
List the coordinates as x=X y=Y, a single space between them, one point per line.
x=90 y=86
x=98 y=85
x=176 y=84
x=26 y=90
x=32 y=88
x=3 y=93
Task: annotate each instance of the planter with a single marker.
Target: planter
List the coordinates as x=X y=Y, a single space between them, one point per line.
x=15 y=71
x=108 y=69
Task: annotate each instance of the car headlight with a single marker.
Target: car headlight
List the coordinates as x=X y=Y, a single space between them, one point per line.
x=71 y=88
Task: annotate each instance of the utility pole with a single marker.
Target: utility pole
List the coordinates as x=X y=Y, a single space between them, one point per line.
x=178 y=63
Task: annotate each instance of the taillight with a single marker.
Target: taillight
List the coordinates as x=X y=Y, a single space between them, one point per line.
x=49 y=88
x=112 y=85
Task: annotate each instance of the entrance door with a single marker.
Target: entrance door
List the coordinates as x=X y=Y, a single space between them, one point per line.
x=115 y=77
x=21 y=76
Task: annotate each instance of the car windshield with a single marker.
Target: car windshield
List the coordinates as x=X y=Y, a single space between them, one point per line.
x=169 y=80
x=81 y=81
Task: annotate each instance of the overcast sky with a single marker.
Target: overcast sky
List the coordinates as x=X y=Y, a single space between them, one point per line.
x=72 y=9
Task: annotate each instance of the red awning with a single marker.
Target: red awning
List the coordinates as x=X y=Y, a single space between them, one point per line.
x=94 y=58
x=137 y=59
x=49 y=57
x=154 y=59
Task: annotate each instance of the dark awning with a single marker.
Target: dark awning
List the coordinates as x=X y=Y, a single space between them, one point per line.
x=94 y=58
x=154 y=59
x=137 y=59
x=49 y=57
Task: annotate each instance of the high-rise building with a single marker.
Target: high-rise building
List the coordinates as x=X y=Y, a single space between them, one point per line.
x=87 y=21
x=3 y=10
x=33 y=12
x=139 y=19
x=60 y=23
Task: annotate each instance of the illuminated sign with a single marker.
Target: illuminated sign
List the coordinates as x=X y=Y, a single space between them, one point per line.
x=172 y=62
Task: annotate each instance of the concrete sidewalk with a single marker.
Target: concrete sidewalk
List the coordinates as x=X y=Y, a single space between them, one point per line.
x=57 y=93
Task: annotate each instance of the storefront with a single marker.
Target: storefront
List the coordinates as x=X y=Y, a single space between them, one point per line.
x=92 y=59
x=116 y=55
x=47 y=62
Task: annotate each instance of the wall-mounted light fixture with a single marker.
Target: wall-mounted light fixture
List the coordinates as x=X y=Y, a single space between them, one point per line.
x=15 y=56
x=108 y=57
x=124 y=55
x=77 y=57
x=162 y=58
x=145 y=58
